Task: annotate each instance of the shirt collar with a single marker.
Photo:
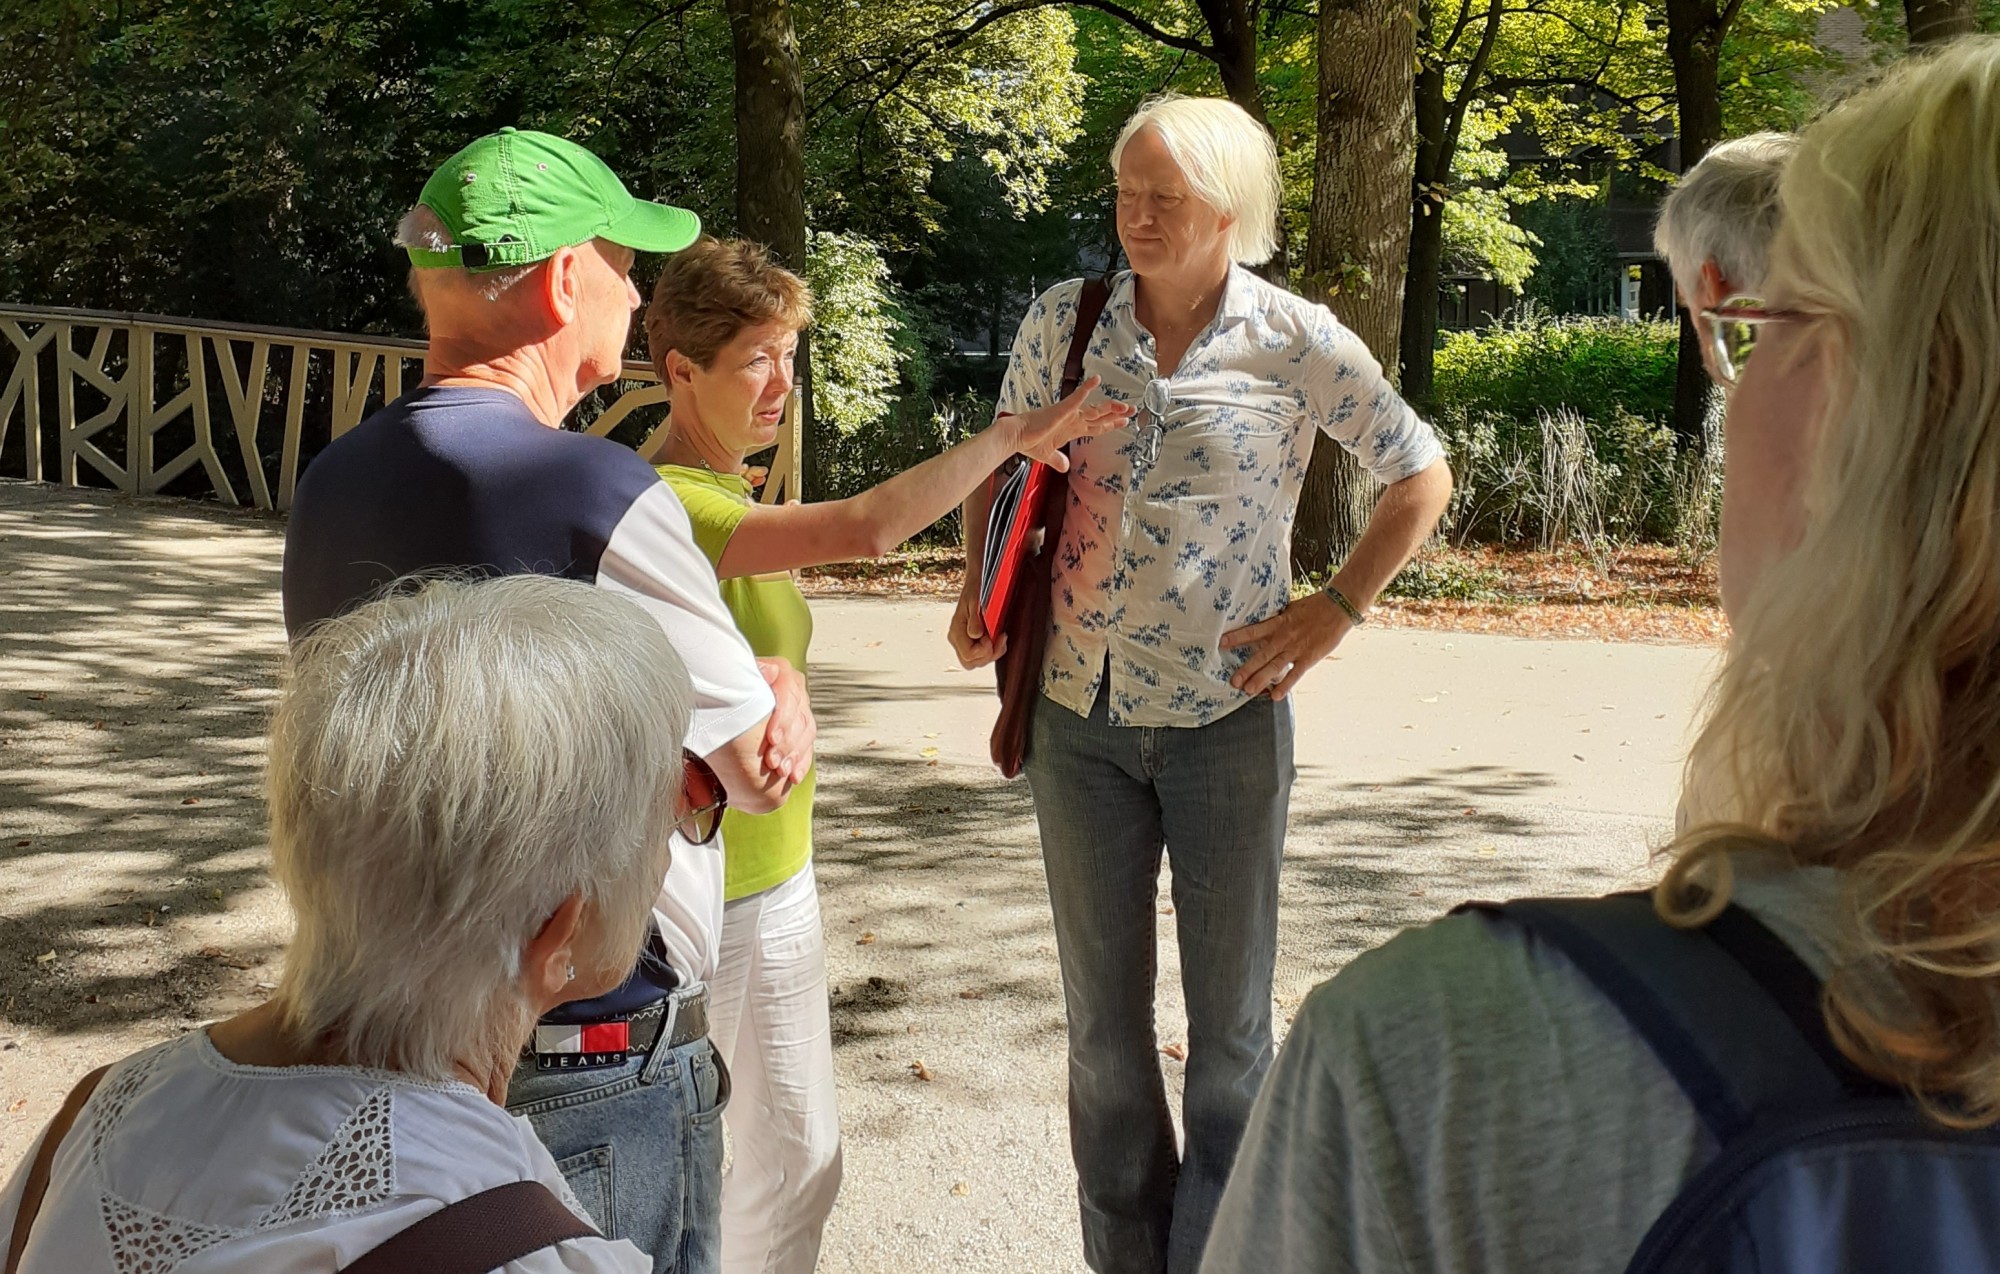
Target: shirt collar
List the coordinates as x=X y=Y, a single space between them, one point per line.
x=1239 y=297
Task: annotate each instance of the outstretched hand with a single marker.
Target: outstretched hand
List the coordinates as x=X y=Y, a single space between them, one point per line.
x=1041 y=434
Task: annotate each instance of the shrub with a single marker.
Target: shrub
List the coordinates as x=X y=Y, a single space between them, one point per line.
x=1535 y=363
x=1559 y=431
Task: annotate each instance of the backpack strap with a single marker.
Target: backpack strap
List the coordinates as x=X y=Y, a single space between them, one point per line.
x=1730 y=1012
x=477 y=1234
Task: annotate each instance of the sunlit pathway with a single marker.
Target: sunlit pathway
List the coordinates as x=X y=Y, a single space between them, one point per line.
x=138 y=641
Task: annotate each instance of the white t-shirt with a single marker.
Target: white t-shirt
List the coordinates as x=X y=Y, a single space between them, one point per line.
x=184 y=1161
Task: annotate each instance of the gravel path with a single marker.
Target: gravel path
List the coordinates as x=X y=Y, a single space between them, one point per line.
x=138 y=643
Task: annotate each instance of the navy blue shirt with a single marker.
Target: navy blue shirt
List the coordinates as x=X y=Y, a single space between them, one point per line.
x=469 y=479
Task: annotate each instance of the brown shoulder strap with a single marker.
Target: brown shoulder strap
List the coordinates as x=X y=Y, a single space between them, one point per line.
x=1089 y=305
x=37 y=1185
x=477 y=1234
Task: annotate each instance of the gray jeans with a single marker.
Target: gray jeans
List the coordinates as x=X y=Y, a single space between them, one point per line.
x=1109 y=800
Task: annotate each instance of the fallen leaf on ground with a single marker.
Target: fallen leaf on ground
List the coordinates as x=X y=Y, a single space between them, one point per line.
x=17 y=1106
x=1488 y=851
x=929 y=751
x=854 y=833
x=1176 y=1051
x=960 y=1190
x=220 y=956
x=45 y=957
x=873 y=644
x=972 y=995
x=921 y=1071
x=191 y=800
x=866 y=939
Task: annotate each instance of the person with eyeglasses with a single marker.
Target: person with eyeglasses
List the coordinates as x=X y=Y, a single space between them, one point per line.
x=723 y=329
x=1785 y=1056
x=1163 y=727
x=1715 y=231
x=521 y=247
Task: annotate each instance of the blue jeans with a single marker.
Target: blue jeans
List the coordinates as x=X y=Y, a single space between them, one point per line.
x=1109 y=800
x=641 y=1146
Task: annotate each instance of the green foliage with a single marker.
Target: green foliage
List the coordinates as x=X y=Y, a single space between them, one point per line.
x=1576 y=260
x=1586 y=365
x=1558 y=431
x=1429 y=579
x=854 y=352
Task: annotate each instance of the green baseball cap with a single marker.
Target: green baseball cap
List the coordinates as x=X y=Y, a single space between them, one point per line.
x=514 y=197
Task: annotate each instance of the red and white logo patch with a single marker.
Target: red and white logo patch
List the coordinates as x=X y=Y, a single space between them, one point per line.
x=581 y=1045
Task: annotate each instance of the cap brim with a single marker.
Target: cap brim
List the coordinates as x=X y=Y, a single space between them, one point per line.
x=654 y=227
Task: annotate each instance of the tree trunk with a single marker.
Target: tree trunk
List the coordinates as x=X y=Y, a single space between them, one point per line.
x=1232 y=35
x=1935 y=21
x=1694 y=44
x=1420 y=288
x=1360 y=229
x=771 y=165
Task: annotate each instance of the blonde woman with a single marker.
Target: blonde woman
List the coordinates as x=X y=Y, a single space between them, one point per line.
x=472 y=789
x=1466 y=1098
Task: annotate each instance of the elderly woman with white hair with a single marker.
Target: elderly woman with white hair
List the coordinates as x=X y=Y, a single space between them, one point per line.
x=1715 y=230
x=1163 y=724
x=1786 y=1057
x=472 y=787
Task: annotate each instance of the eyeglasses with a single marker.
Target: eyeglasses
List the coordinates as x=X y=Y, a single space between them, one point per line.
x=703 y=800
x=1732 y=333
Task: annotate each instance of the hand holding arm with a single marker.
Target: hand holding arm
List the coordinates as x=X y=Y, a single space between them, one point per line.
x=791 y=730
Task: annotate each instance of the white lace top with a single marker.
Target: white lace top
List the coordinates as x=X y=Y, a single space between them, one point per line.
x=188 y=1163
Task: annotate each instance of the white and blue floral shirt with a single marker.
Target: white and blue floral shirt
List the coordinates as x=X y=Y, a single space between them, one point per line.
x=1179 y=527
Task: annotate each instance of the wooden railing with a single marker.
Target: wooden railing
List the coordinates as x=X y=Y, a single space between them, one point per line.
x=152 y=405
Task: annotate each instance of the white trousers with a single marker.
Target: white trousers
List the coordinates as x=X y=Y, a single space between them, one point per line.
x=768 y=1018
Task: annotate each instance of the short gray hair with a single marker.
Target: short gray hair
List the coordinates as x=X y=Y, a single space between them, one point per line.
x=1229 y=159
x=1725 y=210
x=421 y=227
x=447 y=765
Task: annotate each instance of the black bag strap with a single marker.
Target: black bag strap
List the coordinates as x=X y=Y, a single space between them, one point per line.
x=1090 y=305
x=477 y=1234
x=1728 y=1009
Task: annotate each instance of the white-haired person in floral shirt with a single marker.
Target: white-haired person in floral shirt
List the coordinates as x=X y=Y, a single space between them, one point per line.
x=1164 y=723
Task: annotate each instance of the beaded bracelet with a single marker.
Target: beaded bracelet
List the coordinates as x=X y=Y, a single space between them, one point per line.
x=1340 y=600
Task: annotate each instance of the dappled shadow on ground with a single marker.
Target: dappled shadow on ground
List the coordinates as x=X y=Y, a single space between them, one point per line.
x=937 y=906
x=139 y=645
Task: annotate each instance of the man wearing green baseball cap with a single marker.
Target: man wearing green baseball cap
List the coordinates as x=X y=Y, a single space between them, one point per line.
x=521 y=247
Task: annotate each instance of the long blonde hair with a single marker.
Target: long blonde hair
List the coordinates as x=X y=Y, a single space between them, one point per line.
x=1856 y=723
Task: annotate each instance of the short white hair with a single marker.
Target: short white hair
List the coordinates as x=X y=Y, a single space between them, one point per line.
x=1725 y=210
x=1228 y=158
x=447 y=765
x=421 y=227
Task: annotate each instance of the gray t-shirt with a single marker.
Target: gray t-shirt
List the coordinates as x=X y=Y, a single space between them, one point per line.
x=1458 y=1100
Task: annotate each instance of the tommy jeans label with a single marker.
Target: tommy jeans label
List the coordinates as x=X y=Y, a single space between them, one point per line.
x=582 y=1046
